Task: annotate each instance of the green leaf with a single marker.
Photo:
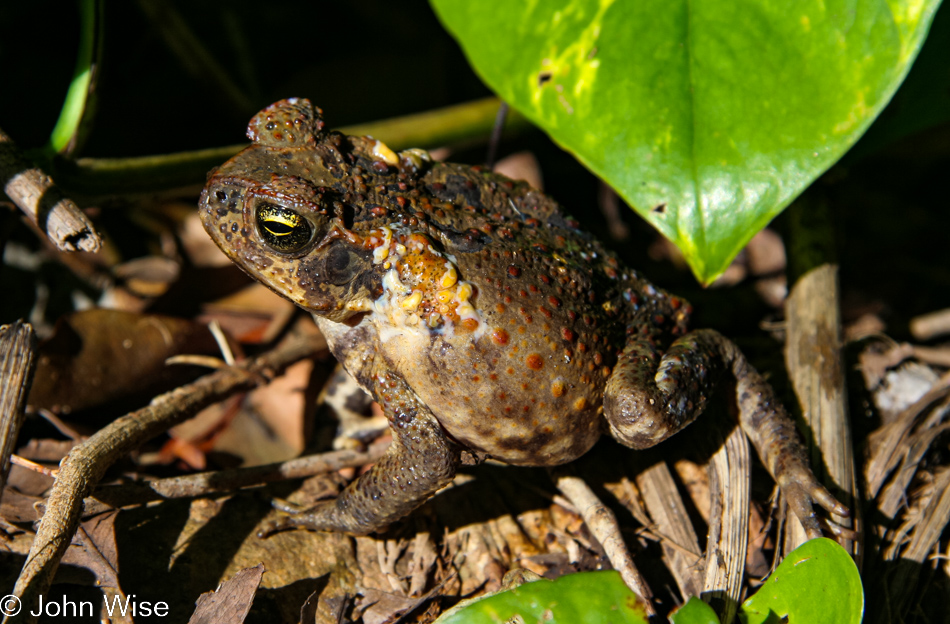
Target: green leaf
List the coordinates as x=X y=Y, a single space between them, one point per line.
x=585 y=598
x=695 y=611
x=707 y=117
x=816 y=583
x=66 y=135
x=922 y=102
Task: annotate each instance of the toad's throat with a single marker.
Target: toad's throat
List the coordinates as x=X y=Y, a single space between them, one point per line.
x=421 y=287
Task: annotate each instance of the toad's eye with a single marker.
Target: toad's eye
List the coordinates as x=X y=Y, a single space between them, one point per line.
x=283 y=229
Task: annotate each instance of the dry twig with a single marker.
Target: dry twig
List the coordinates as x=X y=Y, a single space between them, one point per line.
x=205 y=483
x=38 y=197
x=603 y=525
x=29 y=464
x=931 y=325
x=938 y=356
x=86 y=463
x=889 y=443
x=919 y=535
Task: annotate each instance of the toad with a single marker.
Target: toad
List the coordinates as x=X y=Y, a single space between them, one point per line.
x=477 y=314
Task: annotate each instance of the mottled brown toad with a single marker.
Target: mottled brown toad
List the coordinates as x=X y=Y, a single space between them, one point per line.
x=475 y=312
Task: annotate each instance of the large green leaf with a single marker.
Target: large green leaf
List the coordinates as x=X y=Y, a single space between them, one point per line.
x=816 y=583
x=707 y=117
x=585 y=598
x=695 y=611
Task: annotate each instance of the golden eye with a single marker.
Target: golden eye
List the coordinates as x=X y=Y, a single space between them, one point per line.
x=283 y=229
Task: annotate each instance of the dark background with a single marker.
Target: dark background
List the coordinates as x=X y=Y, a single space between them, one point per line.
x=368 y=60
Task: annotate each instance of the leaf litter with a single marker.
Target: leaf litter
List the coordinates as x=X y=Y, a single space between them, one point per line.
x=490 y=520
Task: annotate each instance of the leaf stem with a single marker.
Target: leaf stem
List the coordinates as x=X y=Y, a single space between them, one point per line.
x=453 y=125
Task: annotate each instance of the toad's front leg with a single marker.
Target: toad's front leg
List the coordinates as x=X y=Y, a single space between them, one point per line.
x=649 y=398
x=420 y=460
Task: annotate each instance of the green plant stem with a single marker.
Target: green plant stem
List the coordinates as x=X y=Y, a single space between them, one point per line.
x=812 y=236
x=452 y=125
x=65 y=136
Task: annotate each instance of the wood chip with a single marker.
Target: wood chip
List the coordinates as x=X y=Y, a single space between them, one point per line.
x=668 y=512
x=728 y=538
x=38 y=197
x=813 y=358
x=17 y=365
x=931 y=325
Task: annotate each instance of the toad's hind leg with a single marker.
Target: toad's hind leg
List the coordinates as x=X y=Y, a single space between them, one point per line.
x=420 y=460
x=649 y=398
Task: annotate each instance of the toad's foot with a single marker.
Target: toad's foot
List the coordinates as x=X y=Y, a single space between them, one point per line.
x=650 y=397
x=313 y=518
x=420 y=460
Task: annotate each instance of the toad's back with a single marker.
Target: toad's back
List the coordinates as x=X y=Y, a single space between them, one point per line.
x=496 y=311
x=513 y=357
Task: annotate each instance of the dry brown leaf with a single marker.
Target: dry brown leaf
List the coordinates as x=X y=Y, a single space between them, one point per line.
x=231 y=601
x=99 y=355
x=18 y=507
x=521 y=166
x=198 y=246
x=282 y=403
x=380 y=607
x=766 y=253
x=149 y=276
x=253 y=315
